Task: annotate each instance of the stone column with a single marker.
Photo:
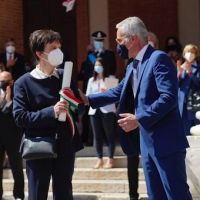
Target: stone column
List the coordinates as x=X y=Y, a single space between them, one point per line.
x=193 y=165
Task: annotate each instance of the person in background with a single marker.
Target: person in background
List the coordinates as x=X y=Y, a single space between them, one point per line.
x=10 y=136
x=13 y=61
x=2 y=67
x=36 y=107
x=189 y=79
x=84 y=75
x=102 y=119
x=174 y=49
x=107 y=55
x=152 y=39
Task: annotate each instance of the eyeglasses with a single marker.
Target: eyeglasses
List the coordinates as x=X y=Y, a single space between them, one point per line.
x=119 y=40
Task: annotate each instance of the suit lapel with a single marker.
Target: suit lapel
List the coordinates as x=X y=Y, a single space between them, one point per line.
x=143 y=65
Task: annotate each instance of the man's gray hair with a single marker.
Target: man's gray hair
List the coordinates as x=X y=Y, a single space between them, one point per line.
x=134 y=25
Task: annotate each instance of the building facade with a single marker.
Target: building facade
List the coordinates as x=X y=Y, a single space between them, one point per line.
x=18 y=19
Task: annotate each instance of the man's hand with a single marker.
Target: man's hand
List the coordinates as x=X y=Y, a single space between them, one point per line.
x=8 y=94
x=84 y=98
x=1 y=98
x=61 y=106
x=11 y=62
x=128 y=122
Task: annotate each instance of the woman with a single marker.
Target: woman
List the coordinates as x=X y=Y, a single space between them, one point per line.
x=36 y=109
x=174 y=49
x=102 y=119
x=189 y=76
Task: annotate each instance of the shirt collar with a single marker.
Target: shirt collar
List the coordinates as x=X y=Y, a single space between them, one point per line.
x=9 y=54
x=141 y=53
x=36 y=73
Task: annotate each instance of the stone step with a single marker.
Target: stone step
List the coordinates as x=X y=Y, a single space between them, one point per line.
x=84 y=196
x=90 y=186
x=89 y=162
x=91 y=151
x=103 y=174
x=91 y=174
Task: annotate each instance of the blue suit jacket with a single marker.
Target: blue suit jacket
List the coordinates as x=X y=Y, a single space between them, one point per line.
x=185 y=84
x=156 y=104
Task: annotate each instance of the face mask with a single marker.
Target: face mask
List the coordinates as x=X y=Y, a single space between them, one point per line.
x=171 y=47
x=151 y=43
x=4 y=85
x=10 y=49
x=98 y=69
x=55 y=57
x=122 y=50
x=27 y=68
x=189 y=56
x=35 y=62
x=98 y=45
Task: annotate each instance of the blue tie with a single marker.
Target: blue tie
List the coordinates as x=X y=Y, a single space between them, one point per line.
x=135 y=75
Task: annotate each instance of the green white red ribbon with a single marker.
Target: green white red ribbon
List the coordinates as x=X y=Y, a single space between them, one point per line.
x=73 y=102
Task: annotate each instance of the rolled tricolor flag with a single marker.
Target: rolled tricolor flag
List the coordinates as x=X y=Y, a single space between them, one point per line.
x=73 y=103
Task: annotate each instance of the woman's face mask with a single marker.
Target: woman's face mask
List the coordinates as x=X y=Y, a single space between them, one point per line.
x=189 y=56
x=98 y=69
x=55 y=57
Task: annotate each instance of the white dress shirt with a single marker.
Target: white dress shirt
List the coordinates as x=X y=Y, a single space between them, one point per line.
x=139 y=57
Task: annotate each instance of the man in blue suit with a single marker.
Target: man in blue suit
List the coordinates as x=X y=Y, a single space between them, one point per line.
x=155 y=88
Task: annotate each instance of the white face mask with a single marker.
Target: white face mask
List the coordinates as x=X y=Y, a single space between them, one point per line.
x=189 y=56
x=10 y=49
x=98 y=69
x=55 y=57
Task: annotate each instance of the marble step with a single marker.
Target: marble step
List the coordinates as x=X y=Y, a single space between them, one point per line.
x=91 y=151
x=90 y=186
x=89 y=162
x=84 y=196
x=91 y=174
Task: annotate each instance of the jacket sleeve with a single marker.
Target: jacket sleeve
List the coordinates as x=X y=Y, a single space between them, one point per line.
x=28 y=119
x=106 y=98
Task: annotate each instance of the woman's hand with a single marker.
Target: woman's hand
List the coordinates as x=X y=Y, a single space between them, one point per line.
x=104 y=89
x=69 y=90
x=61 y=106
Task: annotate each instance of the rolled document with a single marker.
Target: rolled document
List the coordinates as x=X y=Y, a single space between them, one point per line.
x=66 y=83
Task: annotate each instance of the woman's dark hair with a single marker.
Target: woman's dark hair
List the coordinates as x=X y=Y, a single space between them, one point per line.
x=179 y=47
x=39 y=38
x=105 y=68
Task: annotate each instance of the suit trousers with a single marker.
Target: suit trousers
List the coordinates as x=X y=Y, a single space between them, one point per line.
x=132 y=170
x=166 y=177
x=10 y=144
x=103 y=122
x=39 y=173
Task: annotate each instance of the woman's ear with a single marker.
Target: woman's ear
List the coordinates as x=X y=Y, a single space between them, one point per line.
x=39 y=54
